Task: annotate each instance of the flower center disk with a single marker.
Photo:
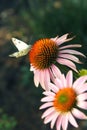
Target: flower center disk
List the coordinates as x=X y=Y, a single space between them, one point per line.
x=65 y=99
x=43 y=53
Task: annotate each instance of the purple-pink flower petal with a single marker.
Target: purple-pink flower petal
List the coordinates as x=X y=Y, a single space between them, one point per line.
x=80 y=81
x=65 y=122
x=48 y=104
x=82 y=97
x=70 y=57
x=53 y=88
x=82 y=88
x=82 y=104
x=48 y=111
x=54 y=120
x=50 y=117
x=78 y=114
x=69 y=51
x=68 y=63
x=69 y=78
x=48 y=98
x=70 y=46
x=59 y=122
x=72 y=120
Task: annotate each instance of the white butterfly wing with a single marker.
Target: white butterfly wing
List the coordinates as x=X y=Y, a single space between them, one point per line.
x=20 y=53
x=22 y=47
x=19 y=44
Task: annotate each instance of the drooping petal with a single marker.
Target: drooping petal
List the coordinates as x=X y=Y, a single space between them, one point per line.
x=47 y=112
x=68 y=63
x=56 y=71
x=82 y=104
x=36 y=77
x=69 y=78
x=69 y=51
x=70 y=57
x=72 y=120
x=45 y=105
x=52 y=77
x=42 y=75
x=46 y=79
x=78 y=114
x=70 y=46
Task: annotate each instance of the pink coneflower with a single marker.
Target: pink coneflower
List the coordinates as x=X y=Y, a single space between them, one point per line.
x=65 y=101
x=43 y=55
x=45 y=52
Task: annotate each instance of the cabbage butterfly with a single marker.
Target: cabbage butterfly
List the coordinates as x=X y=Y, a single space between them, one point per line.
x=22 y=47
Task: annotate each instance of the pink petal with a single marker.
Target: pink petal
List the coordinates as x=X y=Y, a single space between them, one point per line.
x=67 y=63
x=45 y=105
x=46 y=79
x=70 y=57
x=82 y=97
x=58 y=83
x=82 y=88
x=69 y=51
x=47 y=112
x=42 y=75
x=49 y=93
x=59 y=122
x=50 y=117
x=80 y=81
x=52 y=77
x=72 y=120
x=65 y=122
x=70 y=46
x=36 y=78
x=56 y=71
x=78 y=114
x=64 y=83
x=69 y=78
x=47 y=99
x=82 y=104
x=54 y=120
x=63 y=39
x=53 y=88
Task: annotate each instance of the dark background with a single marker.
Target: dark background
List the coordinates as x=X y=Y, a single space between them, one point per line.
x=30 y=20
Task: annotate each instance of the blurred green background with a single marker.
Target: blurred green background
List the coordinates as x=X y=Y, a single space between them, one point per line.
x=30 y=20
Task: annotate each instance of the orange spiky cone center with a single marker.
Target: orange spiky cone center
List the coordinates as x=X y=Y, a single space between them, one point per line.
x=43 y=53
